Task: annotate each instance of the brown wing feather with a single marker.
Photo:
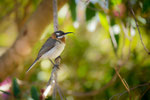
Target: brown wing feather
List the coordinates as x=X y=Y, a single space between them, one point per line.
x=50 y=43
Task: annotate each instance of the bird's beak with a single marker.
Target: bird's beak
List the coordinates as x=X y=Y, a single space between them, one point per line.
x=67 y=33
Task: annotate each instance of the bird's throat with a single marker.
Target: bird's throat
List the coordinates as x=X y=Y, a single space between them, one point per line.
x=62 y=39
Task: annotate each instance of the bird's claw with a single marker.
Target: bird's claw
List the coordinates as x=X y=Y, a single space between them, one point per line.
x=56 y=65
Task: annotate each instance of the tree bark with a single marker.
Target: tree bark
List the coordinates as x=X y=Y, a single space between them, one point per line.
x=29 y=35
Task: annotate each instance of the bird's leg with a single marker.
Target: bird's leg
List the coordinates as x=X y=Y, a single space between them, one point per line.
x=57 y=62
x=59 y=57
x=52 y=62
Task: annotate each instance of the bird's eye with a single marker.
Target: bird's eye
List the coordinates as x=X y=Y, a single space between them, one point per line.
x=57 y=33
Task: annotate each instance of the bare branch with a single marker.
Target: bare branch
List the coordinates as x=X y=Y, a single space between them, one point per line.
x=140 y=98
x=124 y=83
x=95 y=92
x=55 y=15
x=52 y=83
x=138 y=86
x=60 y=92
x=139 y=31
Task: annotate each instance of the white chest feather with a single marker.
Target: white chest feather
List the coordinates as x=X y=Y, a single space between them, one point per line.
x=55 y=51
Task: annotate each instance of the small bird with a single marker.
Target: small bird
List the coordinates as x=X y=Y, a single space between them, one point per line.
x=52 y=48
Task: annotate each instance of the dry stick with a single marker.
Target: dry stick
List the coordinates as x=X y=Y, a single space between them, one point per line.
x=100 y=90
x=95 y=92
x=55 y=17
x=60 y=92
x=120 y=94
x=124 y=83
x=51 y=82
x=139 y=31
x=140 y=98
x=53 y=79
x=141 y=85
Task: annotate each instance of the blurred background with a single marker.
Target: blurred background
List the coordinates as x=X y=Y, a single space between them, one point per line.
x=105 y=37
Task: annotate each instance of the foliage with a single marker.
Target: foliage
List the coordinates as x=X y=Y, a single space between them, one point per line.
x=105 y=37
x=16 y=89
x=34 y=93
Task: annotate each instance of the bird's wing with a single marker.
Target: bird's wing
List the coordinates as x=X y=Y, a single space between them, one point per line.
x=50 y=43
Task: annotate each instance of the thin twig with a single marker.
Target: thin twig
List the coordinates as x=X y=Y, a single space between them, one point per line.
x=114 y=41
x=120 y=94
x=60 y=92
x=95 y=92
x=139 y=31
x=53 y=79
x=140 y=98
x=55 y=17
x=124 y=83
x=54 y=92
x=125 y=31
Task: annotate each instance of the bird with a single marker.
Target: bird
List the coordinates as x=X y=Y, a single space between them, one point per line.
x=52 y=48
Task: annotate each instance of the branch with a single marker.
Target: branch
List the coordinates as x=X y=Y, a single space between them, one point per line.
x=139 y=31
x=100 y=90
x=55 y=15
x=29 y=35
x=140 y=98
x=124 y=83
x=120 y=94
x=95 y=92
x=52 y=83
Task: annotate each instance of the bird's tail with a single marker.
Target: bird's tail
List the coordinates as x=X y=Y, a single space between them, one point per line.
x=32 y=64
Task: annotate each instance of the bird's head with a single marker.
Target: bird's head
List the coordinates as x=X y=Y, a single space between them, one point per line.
x=60 y=34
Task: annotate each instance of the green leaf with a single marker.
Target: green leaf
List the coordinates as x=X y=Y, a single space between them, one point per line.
x=90 y=13
x=49 y=98
x=72 y=6
x=16 y=89
x=115 y=2
x=117 y=39
x=34 y=93
x=146 y=6
x=103 y=21
x=5 y=92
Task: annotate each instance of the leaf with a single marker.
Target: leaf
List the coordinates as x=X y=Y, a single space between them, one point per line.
x=5 y=92
x=34 y=93
x=72 y=6
x=146 y=6
x=103 y=21
x=105 y=24
x=16 y=89
x=115 y=2
x=117 y=40
x=49 y=98
x=90 y=13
